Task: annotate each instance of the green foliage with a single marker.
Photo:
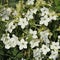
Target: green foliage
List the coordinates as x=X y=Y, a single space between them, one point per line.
x=2 y=28
x=57 y=5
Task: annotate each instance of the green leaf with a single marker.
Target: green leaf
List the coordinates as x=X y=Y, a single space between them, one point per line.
x=57 y=2
x=57 y=5
x=12 y=3
x=1 y=52
x=19 y=55
x=14 y=52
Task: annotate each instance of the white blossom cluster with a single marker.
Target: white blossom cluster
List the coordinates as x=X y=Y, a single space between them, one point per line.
x=46 y=16
x=13 y=41
x=29 y=14
x=37 y=53
x=37 y=37
x=5 y=13
x=30 y=2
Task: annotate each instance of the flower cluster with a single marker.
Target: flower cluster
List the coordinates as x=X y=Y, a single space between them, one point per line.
x=46 y=16
x=29 y=29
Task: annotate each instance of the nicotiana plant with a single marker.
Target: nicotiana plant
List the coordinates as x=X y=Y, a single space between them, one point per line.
x=30 y=30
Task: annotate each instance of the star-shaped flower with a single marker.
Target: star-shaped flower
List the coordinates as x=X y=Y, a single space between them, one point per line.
x=22 y=44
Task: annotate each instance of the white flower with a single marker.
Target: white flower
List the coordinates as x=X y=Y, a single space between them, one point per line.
x=5 y=17
x=54 y=55
x=44 y=20
x=9 y=10
x=55 y=46
x=5 y=37
x=10 y=26
x=37 y=54
x=30 y=2
x=45 y=11
x=34 y=33
x=5 y=14
x=22 y=44
x=44 y=36
x=47 y=16
x=34 y=43
x=23 y=22
x=13 y=41
x=9 y=42
x=14 y=13
x=34 y=10
x=29 y=15
x=23 y=59
x=45 y=49
x=58 y=36
x=53 y=16
x=7 y=45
